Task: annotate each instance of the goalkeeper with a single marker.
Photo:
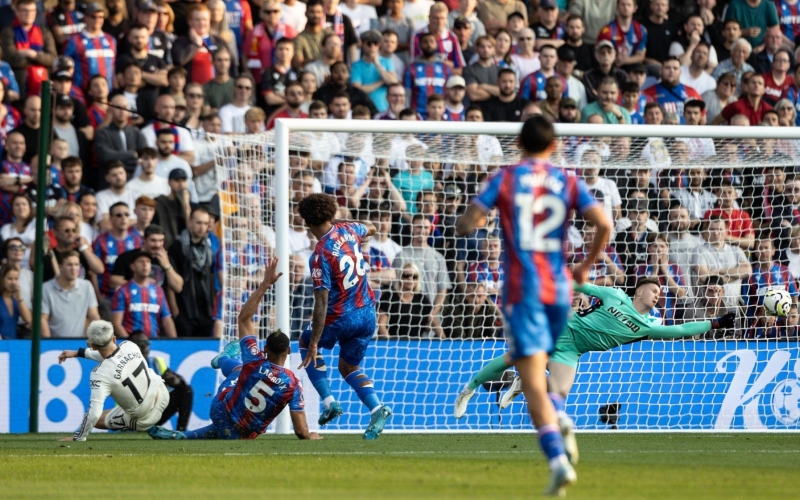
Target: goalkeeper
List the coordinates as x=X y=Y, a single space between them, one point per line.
x=612 y=319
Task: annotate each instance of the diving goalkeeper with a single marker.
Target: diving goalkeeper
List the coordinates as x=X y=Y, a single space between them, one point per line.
x=613 y=319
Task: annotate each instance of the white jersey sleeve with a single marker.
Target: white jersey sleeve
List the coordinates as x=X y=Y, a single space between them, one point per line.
x=126 y=377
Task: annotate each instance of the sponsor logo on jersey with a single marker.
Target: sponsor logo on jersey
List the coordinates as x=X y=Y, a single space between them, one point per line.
x=140 y=307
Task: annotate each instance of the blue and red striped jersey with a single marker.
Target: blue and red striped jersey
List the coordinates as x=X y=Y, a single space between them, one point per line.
x=789 y=16
x=250 y=256
x=262 y=391
x=446 y=44
x=671 y=99
x=14 y=170
x=532 y=87
x=534 y=199
x=628 y=42
x=93 y=55
x=762 y=279
x=107 y=248
x=70 y=21
x=338 y=266
x=668 y=300
x=455 y=116
x=142 y=307
x=492 y=279
x=422 y=80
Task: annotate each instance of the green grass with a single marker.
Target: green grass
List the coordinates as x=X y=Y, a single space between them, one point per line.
x=435 y=466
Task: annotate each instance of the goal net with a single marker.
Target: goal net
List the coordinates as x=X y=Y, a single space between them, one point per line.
x=712 y=212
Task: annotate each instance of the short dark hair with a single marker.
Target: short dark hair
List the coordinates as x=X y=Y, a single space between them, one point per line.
x=407 y=112
x=340 y=63
x=317 y=209
x=200 y=209
x=113 y=164
x=504 y=71
x=148 y=152
x=71 y=161
x=284 y=40
x=537 y=134
x=178 y=70
x=118 y=204
x=630 y=87
x=647 y=280
x=277 y=342
x=339 y=95
x=473 y=107
x=153 y=229
x=62 y=256
x=317 y=105
x=714 y=279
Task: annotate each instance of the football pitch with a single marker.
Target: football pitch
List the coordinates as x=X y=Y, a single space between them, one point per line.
x=417 y=466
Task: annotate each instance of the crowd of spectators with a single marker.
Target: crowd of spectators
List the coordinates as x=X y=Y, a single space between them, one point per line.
x=134 y=202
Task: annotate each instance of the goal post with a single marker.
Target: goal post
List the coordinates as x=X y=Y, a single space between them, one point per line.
x=746 y=379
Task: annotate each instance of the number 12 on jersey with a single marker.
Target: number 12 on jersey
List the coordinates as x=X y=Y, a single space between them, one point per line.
x=533 y=237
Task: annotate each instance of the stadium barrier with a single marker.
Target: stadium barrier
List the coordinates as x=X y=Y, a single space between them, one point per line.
x=676 y=386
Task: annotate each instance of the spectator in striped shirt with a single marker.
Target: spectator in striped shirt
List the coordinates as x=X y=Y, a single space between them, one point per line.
x=447 y=44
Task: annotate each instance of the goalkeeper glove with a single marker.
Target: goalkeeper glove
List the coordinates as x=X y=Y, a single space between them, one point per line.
x=724 y=321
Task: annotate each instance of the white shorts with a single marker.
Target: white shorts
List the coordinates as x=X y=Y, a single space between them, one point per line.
x=118 y=419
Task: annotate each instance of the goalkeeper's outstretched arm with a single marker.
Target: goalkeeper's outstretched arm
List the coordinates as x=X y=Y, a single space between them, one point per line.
x=271 y=275
x=665 y=332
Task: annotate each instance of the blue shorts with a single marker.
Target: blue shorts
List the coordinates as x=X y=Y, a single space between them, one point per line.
x=532 y=327
x=353 y=331
x=223 y=425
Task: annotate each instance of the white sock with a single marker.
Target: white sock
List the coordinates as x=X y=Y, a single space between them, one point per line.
x=327 y=401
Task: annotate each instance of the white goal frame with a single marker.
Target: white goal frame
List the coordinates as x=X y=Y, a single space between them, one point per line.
x=285 y=126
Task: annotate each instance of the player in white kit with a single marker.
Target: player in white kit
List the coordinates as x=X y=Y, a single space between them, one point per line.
x=139 y=392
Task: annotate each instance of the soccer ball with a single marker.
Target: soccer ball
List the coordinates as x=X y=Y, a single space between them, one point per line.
x=777 y=302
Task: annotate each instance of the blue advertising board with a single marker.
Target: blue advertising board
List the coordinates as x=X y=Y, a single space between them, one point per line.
x=688 y=385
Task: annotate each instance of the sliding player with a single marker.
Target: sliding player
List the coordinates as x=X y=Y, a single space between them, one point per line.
x=535 y=199
x=611 y=321
x=140 y=394
x=256 y=391
x=344 y=309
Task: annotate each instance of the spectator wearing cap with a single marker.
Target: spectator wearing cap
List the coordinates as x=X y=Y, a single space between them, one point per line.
x=549 y=31
x=629 y=37
x=605 y=54
x=172 y=210
x=670 y=93
x=755 y=18
x=78 y=144
x=93 y=51
x=276 y=78
x=119 y=140
x=526 y=59
x=29 y=49
x=595 y=16
x=661 y=31
x=162 y=270
x=454 y=109
x=550 y=105
x=467 y=14
x=568 y=111
x=750 y=104
x=340 y=82
x=463 y=30
x=508 y=104
x=481 y=76
x=447 y=44
x=62 y=84
x=696 y=73
x=373 y=73
x=737 y=63
x=565 y=68
x=583 y=51
x=68 y=301
x=65 y=19
x=494 y=13
x=140 y=304
x=261 y=43
x=777 y=80
x=195 y=51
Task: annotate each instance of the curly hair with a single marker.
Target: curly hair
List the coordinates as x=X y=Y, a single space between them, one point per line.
x=317 y=209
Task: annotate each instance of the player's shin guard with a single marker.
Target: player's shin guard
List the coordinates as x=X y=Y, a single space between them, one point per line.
x=207 y=432
x=492 y=371
x=364 y=388
x=552 y=443
x=558 y=402
x=227 y=365
x=318 y=375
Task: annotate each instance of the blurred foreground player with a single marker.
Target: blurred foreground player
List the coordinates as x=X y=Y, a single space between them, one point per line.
x=181 y=395
x=257 y=388
x=613 y=319
x=344 y=309
x=535 y=200
x=140 y=394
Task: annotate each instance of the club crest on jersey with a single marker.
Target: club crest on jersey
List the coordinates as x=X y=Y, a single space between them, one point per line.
x=254 y=350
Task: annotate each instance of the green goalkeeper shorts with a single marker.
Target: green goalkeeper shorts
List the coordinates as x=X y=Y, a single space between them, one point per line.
x=566 y=352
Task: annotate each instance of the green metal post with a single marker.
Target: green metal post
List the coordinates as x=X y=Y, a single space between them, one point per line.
x=38 y=271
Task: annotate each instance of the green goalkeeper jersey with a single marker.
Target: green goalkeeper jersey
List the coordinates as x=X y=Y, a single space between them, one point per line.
x=612 y=321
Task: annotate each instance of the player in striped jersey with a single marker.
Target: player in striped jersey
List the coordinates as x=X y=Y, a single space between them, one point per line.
x=534 y=199
x=113 y=243
x=257 y=387
x=140 y=304
x=344 y=309
x=122 y=373
x=92 y=50
x=426 y=76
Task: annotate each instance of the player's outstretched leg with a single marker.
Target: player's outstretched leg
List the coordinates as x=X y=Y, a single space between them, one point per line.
x=534 y=386
x=233 y=350
x=493 y=370
x=207 y=432
x=158 y=432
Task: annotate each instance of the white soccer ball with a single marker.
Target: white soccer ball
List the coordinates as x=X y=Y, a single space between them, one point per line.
x=777 y=302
